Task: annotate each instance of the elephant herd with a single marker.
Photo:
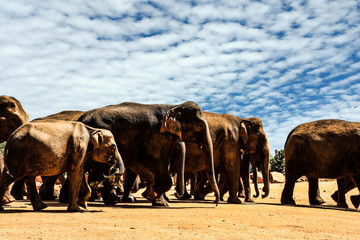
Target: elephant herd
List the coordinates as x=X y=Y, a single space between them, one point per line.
x=155 y=142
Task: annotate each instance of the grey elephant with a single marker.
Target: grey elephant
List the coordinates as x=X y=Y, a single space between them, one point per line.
x=231 y=135
x=147 y=136
x=321 y=149
x=47 y=148
x=12 y=116
x=46 y=190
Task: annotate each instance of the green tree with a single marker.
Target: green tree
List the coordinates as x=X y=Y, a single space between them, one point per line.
x=277 y=162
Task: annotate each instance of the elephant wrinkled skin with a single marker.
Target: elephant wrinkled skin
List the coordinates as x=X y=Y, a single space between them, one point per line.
x=147 y=136
x=51 y=147
x=321 y=149
x=12 y=116
x=230 y=135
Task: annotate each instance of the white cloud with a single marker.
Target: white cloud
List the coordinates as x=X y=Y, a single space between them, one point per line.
x=284 y=62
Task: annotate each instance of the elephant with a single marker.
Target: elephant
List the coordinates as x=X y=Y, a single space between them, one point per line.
x=321 y=149
x=231 y=135
x=147 y=135
x=244 y=183
x=46 y=190
x=12 y=116
x=51 y=147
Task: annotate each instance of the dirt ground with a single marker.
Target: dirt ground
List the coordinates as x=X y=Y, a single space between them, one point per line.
x=265 y=219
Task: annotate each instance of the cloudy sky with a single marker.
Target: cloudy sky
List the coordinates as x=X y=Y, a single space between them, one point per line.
x=286 y=62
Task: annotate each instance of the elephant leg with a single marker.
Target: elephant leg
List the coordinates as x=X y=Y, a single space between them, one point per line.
x=341 y=193
x=17 y=190
x=46 y=190
x=35 y=199
x=233 y=180
x=349 y=184
x=106 y=192
x=245 y=177
x=241 y=189
x=192 y=183
x=75 y=177
x=288 y=191
x=130 y=178
x=223 y=185
x=201 y=179
x=64 y=191
x=355 y=199
x=84 y=193
x=163 y=183
x=5 y=181
x=314 y=192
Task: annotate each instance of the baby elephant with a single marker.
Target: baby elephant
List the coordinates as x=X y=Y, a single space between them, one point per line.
x=51 y=147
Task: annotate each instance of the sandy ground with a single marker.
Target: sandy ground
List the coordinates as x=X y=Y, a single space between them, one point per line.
x=265 y=219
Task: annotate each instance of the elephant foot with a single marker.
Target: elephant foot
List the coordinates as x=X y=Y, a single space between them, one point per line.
x=287 y=201
x=234 y=200
x=37 y=206
x=186 y=196
x=166 y=198
x=74 y=209
x=148 y=195
x=113 y=200
x=317 y=201
x=342 y=205
x=355 y=200
x=128 y=199
x=241 y=195
x=8 y=198
x=249 y=200
x=160 y=203
x=83 y=204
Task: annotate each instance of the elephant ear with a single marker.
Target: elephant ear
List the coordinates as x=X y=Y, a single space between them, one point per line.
x=244 y=134
x=96 y=138
x=171 y=124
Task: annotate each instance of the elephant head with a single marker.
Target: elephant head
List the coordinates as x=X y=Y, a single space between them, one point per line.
x=188 y=123
x=12 y=116
x=104 y=149
x=256 y=145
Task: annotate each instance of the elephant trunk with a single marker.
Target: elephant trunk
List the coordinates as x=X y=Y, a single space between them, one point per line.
x=119 y=162
x=265 y=169
x=210 y=169
x=181 y=172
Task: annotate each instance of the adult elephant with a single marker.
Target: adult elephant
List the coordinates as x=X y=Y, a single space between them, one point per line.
x=12 y=116
x=321 y=149
x=231 y=135
x=51 y=147
x=147 y=136
x=46 y=190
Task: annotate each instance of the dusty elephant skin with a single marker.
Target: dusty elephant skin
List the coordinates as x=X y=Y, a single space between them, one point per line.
x=12 y=116
x=51 y=147
x=147 y=136
x=230 y=135
x=321 y=149
x=46 y=190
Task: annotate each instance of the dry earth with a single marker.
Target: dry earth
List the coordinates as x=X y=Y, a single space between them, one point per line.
x=266 y=219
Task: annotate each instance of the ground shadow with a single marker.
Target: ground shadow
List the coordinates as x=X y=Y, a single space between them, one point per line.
x=324 y=206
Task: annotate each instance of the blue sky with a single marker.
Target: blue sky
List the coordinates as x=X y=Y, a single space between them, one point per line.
x=286 y=62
